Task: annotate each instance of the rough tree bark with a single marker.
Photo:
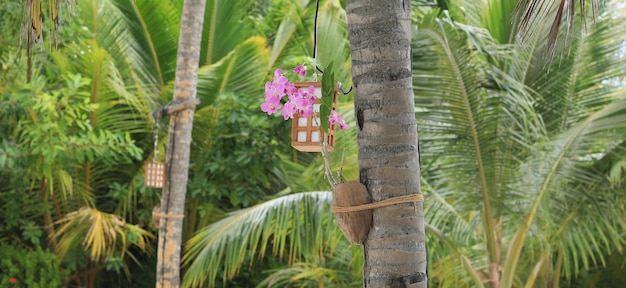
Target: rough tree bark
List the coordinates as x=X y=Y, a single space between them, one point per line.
x=177 y=158
x=380 y=43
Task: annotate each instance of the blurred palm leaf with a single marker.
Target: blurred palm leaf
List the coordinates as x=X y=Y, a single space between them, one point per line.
x=226 y=26
x=571 y=217
x=293 y=227
x=103 y=235
x=117 y=108
x=154 y=26
x=294 y=38
x=487 y=138
x=535 y=12
x=464 y=119
x=241 y=71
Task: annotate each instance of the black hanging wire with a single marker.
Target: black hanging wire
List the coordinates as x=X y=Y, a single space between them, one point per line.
x=317 y=8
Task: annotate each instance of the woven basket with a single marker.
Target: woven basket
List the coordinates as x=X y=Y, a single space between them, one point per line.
x=354 y=225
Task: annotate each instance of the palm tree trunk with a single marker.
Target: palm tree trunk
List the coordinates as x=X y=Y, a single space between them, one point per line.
x=380 y=43
x=177 y=159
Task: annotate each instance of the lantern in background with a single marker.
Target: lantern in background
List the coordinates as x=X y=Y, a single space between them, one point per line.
x=154 y=174
x=154 y=171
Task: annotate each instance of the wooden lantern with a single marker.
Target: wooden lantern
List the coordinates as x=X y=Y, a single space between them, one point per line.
x=154 y=174
x=305 y=131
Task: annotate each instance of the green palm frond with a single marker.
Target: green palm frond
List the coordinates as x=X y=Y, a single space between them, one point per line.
x=117 y=108
x=299 y=275
x=242 y=72
x=585 y=80
x=335 y=269
x=308 y=275
x=612 y=165
x=294 y=35
x=534 y=12
x=112 y=52
x=293 y=227
x=104 y=24
x=461 y=224
x=226 y=25
x=154 y=26
x=499 y=19
x=285 y=41
x=534 y=152
x=455 y=251
x=466 y=107
x=580 y=233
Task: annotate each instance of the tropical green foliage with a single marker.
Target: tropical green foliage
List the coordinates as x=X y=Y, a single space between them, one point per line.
x=498 y=176
x=90 y=98
x=297 y=228
x=50 y=142
x=510 y=169
x=522 y=155
x=36 y=268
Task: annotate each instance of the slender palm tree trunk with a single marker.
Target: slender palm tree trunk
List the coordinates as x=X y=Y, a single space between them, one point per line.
x=380 y=43
x=177 y=159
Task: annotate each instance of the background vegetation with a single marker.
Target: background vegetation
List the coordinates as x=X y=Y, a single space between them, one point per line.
x=523 y=155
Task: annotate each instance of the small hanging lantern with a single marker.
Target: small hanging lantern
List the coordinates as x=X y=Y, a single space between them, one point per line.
x=154 y=176
x=306 y=131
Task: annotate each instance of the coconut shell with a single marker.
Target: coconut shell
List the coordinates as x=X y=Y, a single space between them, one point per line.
x=354 y=225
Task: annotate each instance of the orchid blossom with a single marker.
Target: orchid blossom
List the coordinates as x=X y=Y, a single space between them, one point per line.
x=299 y=100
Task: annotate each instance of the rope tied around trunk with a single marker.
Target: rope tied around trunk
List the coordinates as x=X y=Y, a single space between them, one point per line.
x=157 y=215
x=386 y=202
x=163 y=215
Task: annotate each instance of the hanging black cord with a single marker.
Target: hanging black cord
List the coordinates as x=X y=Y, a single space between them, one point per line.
x=317 y=8
x=344 y=92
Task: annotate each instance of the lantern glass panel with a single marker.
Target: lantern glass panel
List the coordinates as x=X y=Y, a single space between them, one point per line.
x=318 y=92
x=316 y=122
x=315 y=136
x=301 y=136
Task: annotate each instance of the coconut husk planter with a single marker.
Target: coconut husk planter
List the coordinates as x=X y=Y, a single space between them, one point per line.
x=354 y=225
x=352 y=208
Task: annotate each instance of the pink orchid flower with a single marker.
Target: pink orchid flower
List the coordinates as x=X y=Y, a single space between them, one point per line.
x=336 y=118
x=300 y=70
x=289 y=110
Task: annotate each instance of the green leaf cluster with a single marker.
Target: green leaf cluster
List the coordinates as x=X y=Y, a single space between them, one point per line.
x=328 y=95
x=35 y=268
x=53 y=129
